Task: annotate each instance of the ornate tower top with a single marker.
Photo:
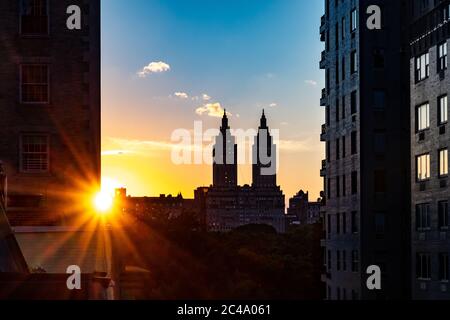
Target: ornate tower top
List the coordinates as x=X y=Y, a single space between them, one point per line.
x=263 y=124
x=225 y=126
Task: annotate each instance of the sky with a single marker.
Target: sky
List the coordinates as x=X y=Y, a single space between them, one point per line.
x=168 y=64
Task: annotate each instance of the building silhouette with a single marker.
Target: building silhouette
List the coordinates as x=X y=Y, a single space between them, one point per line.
x=228 y=206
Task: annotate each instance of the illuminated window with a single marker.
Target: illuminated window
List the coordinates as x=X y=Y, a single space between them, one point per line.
x=443 y=163
x=423 y=117
x=443 y=109
x=353 y=62
x=423 y=167
x=423 y=67
x=34 y=153
x=34 y=17
x=353 y=20
x=442 y=57
x=34 y=84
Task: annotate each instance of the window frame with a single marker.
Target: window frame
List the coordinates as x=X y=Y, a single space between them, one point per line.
x=21 y=84
x=442 y=51
x=423 y=225
x=419 y=69
x=441 y=109
x=419 y=127
x=441 y=166
x=22 y=153
x=428 y=168
x=21 y=33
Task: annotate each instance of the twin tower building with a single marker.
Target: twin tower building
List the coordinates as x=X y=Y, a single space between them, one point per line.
x=228 y=205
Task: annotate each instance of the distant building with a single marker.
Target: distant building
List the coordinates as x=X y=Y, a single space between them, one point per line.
x=166 y=206
x=301 y=211
x=229 y=206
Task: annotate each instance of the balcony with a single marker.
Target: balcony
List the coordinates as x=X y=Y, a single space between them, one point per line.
x=323 y=60
x=324 y=98
x=323 y=135
x=323 y=171
x=323 y=24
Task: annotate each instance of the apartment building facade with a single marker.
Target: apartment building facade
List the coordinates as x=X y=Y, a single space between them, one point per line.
x=366 y=170
x=50 y=108
x=430 y=140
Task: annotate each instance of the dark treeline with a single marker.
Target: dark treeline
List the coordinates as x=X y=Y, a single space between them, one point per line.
x=253 y=262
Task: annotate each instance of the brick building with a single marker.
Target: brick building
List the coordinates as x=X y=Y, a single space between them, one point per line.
x=50 y=101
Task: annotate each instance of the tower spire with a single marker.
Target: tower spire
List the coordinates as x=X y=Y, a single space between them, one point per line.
x=263 y=121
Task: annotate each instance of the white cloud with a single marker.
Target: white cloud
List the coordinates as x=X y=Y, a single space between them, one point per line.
x=153 y=67
x=273 y=105
x=181 y=95
x=212 y=110
x=205 y=97
x=311 y=82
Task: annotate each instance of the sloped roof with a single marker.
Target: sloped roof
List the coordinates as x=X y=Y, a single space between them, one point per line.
x=11 y=258
x=54 y=249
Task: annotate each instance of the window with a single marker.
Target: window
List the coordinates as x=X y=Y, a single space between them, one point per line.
x=353 y=20
x=343 y=69
x=328 y=151
x=343 y=108
x=344 y=223
x=338 y=223
x=378 y=58
x=353 y=103
x=423 y=67
x=338 y=187
x=337 y=71
x=34 y=153
x=344 y=185
x=380 y=142
x=442 y=57
x=344 y=147
x=337 y=110
x=380 y=225
x=327 y=116
x=379 y=99
x=344 y=260
x=443 y=109
x=423 y=117
x=337 y=37
x=423 y=266
x=338 y=260
x=34 y=84
x=443 y=267
x=443 y=163
x=353 y=62
x=343 y=33
x=354 y=143
x=329 y=188
x=329 y=225
x=355 y=228
x=423 y=219
x=329 y=260
x=423 y=167
x=355 y=261
x=34 y=17
x=354 y=182
x=443 y=215
x=380 y=181
x=338 y=149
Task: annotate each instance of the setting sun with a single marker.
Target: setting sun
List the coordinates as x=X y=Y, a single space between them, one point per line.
x=104 y=200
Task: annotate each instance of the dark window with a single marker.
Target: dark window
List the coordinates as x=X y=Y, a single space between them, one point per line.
x=329 y=188
x=338 y=186
x=343 y=69
x=344 y=151
x=379 y=99
x=34 y=84
x=443 y=215
x=355 y=261
x=423 y=218
x=344 y=185
x=343 y=107
x=355 y=228
x=380 y=142
x=34 y=17
x=354 y=182
x=344 y=260
x=338 y=260
x=378 y=58
x=380 y=181
x=338 y=223
x=327 y=116
x=354 y=106
x=338 y=149
x=329 y=225
x=380 y=225
x=423 y=266
x=344 y=223
x=443 y=267
x=34 y=153
x=442 y=57
x=354 y=143
x=337 y=110
x=353 y=62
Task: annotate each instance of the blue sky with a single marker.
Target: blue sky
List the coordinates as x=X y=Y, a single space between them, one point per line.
x=246 y=55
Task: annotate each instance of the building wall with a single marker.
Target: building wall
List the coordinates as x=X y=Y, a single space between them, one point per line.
x=434 y=240
x=380 y=167
x=71 y=119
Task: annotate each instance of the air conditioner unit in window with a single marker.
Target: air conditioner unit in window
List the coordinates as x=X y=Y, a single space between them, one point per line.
x=422 y=136
x=442 y=130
